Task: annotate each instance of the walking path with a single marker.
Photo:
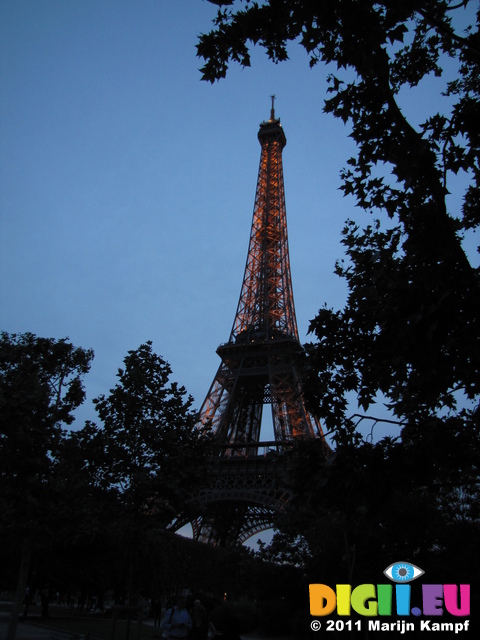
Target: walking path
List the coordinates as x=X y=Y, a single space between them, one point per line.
x=25 y=630
x=31 y=631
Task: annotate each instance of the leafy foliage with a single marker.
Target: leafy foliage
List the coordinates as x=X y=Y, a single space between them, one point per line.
x=152 y=450
x=40 y=386
x=410 y=329
x=102 y=493
x=370 y=503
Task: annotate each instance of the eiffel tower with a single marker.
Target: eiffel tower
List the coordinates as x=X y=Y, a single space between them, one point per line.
x=259 y=365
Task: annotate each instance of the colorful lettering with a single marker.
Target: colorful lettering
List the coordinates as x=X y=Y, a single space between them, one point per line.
x=322 y=600
x=432 y=599
x=451 y=600
x=344 y=593
x=363 y=600
x=384 y=598
x=402 y=596
x=376 y=600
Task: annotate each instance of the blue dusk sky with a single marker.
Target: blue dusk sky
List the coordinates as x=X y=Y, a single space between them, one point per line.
x=127 y=184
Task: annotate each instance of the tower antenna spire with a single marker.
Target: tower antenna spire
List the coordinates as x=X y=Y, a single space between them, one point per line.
x=272 y=112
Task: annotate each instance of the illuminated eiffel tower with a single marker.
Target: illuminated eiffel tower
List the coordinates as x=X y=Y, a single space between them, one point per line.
x=260 y=365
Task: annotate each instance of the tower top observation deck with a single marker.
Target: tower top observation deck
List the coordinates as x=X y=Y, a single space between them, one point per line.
x=272 y=129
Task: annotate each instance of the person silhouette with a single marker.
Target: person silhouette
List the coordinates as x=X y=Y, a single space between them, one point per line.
x=177 y=622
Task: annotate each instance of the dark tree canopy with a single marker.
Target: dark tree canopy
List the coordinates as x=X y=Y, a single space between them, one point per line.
x=409 y=332
x=410 y=328
x=152 y=448
x=373 y=502
x=40 y=386
x=104 y=493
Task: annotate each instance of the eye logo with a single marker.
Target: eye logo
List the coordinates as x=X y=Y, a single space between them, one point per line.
x=402 y=572
x=378 y=600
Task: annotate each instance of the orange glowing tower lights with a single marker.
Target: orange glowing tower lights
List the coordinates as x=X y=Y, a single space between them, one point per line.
x=260 y=362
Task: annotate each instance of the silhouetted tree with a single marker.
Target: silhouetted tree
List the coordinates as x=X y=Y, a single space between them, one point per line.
x=409 y=332
x=369 y=505
x=149 y=448
x=410 y=329
x=40 y=386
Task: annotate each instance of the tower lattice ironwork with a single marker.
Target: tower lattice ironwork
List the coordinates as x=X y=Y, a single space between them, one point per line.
x=259 y=365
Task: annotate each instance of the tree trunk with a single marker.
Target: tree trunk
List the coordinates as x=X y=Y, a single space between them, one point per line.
x=21 y=588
